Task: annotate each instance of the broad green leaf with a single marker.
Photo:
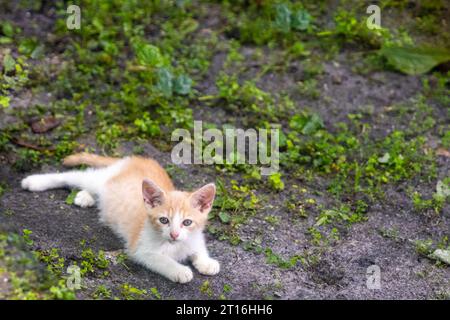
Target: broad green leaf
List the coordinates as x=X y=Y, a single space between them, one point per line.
x=4 y=101
x=38 y=52
x=297 y=122
x=149 y=55
x=182 y=85
x=313 y=124
x=283 y=17
x=71 y=197
x=224 y=217
x=306 y=124
x=7 y=29
x=165 y=84
x=27 y=46
x=301 y=20
x=9 y=64
x=5 y=40
x=276 y=182
x=188 y=26
x=322 y=220
x=414 y=61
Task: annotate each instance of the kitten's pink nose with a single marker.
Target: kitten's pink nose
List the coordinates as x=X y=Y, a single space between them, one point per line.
x=174 y=235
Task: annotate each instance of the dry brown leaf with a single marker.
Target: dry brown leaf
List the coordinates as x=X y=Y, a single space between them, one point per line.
x=45 y=124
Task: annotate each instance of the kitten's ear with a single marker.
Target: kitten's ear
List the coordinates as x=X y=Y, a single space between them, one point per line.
x=203 y=198
x=153 y=195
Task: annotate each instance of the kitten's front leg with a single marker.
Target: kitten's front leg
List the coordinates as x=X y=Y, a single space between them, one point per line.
x=202 y=261
x=165 y=266
x=205 y=264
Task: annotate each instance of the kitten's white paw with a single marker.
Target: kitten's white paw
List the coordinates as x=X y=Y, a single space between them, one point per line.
x=207 y=266
x=36 y=182
x=182 y=274
x=84 y=199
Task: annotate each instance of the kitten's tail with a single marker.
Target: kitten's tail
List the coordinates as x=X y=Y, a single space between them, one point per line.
x=91 y=160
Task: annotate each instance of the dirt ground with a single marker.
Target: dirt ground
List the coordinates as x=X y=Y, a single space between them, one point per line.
x=341 y=272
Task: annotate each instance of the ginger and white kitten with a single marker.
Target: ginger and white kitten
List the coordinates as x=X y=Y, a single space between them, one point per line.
x=161 y=226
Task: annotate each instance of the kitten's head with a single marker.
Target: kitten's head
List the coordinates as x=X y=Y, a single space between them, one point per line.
x=176 y=214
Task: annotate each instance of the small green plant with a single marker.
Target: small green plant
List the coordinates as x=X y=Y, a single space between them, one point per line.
x=155 y=293
x=275 y=181
x=342 y=213
x=65 y=148
x=108 y=135
x=234 y=207
x=121 y=259
x=273 y=220
x=309 y=88
x=436 y=203
x=445 y=141
x=132 y=293
x=27 y=279
x=2 y=189
x=316 y=236
x=273 y=258
x=438 y=199
x=147 y=126
x=390 y=233
x=226 y=290
x=91 y=262
x=27 y=159
x=424 y=247
x=26 y=236
x=51 y=257
x=102 y=292
x=206 y=289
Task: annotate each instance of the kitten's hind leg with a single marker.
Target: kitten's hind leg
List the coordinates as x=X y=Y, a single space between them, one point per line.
x=90 y=180
x=84 y=199
x=42 y=182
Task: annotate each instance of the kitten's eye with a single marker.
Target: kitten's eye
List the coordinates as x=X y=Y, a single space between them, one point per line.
x=164 y=220
x=187 y=222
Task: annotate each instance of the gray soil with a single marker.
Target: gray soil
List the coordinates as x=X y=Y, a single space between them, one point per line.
x=340 y=273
